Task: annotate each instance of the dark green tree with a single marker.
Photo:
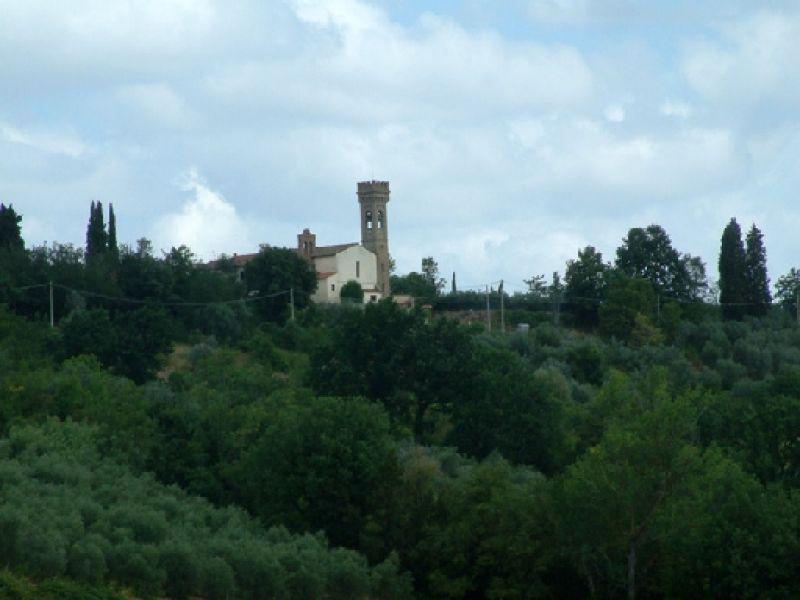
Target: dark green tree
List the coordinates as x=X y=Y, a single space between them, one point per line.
x=585 y=281
x=787 y=289
x=648 y=254
x=90 y=332
x=15 y=270
x=143 y=335
x=385 y=353
x=96 y=236
x=757 y=293
x=430 y=271
x=352 y=292
x=732 y=279
x=628 y=301
x=414 y=284
x=10 y=232
x=143 y=277
x=325 y=465
x=113 y=248
x=270 y=276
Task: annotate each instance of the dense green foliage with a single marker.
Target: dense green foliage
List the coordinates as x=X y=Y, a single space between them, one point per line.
x=352 y=292
x=10 y=231
x=757 y=293
x=584 y=284
x=732 y=276
x=648 y=254
x=67 y=510
x=172 y=436
x=272 y=274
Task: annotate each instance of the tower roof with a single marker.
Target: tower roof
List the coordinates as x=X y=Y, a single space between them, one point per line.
x=373 y=186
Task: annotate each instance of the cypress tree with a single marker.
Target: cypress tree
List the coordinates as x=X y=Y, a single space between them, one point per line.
x=96 y=240
x=10 y=233
x=90 y=237
x=112 y=232
x=757 y=292
x=732 y=281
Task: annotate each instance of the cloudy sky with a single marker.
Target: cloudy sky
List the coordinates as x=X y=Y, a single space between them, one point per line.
x=513 y=133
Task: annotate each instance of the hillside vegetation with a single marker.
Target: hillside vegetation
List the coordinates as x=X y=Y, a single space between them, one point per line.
x=174 y=436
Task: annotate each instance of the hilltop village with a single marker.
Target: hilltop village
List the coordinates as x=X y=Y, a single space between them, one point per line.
x=367 y=263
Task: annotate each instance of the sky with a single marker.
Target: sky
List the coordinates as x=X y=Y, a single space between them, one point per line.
x=512 y=133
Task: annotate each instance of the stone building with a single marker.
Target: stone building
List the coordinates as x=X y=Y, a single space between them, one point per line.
x=372 y=198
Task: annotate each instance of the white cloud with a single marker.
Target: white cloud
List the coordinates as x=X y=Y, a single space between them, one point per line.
x=374 y=71
x=144 y=25
x=207 y=223
x=160 y=103
x=345 y=14
x=753 y=62
x=52 y=143
x=583 y=155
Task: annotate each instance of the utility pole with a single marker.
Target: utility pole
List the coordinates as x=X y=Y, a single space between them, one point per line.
x=797 y=304
x=488 y=312
x=51 y=306
x=502 y=309
x=291 y=303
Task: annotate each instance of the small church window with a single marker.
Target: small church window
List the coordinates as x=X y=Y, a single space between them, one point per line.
x=333 y=287
x=369 y=219
x=380 y=219
x=358 y=269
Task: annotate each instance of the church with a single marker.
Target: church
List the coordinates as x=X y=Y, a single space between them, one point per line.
x=367 y=262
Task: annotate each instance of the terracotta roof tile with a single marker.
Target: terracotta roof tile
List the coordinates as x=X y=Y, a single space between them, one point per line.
x=320 y=251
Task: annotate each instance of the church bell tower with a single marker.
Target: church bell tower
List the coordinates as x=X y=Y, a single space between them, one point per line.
x=372 y=198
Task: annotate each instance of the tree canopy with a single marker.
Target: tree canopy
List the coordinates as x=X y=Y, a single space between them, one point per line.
x=647 y=253
x=10 y=230
x=732 y=275
x=270 y=276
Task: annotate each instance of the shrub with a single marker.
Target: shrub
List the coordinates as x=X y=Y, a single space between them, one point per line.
x=352 y=292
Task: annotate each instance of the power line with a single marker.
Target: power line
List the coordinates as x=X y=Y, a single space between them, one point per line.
x=140 y=301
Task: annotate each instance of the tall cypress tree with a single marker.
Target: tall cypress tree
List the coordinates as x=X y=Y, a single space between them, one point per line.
x=757 y=292
x=732 y=281
x=112 y=233
x=10 y=233
x=96 y=243
x=90 y=236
